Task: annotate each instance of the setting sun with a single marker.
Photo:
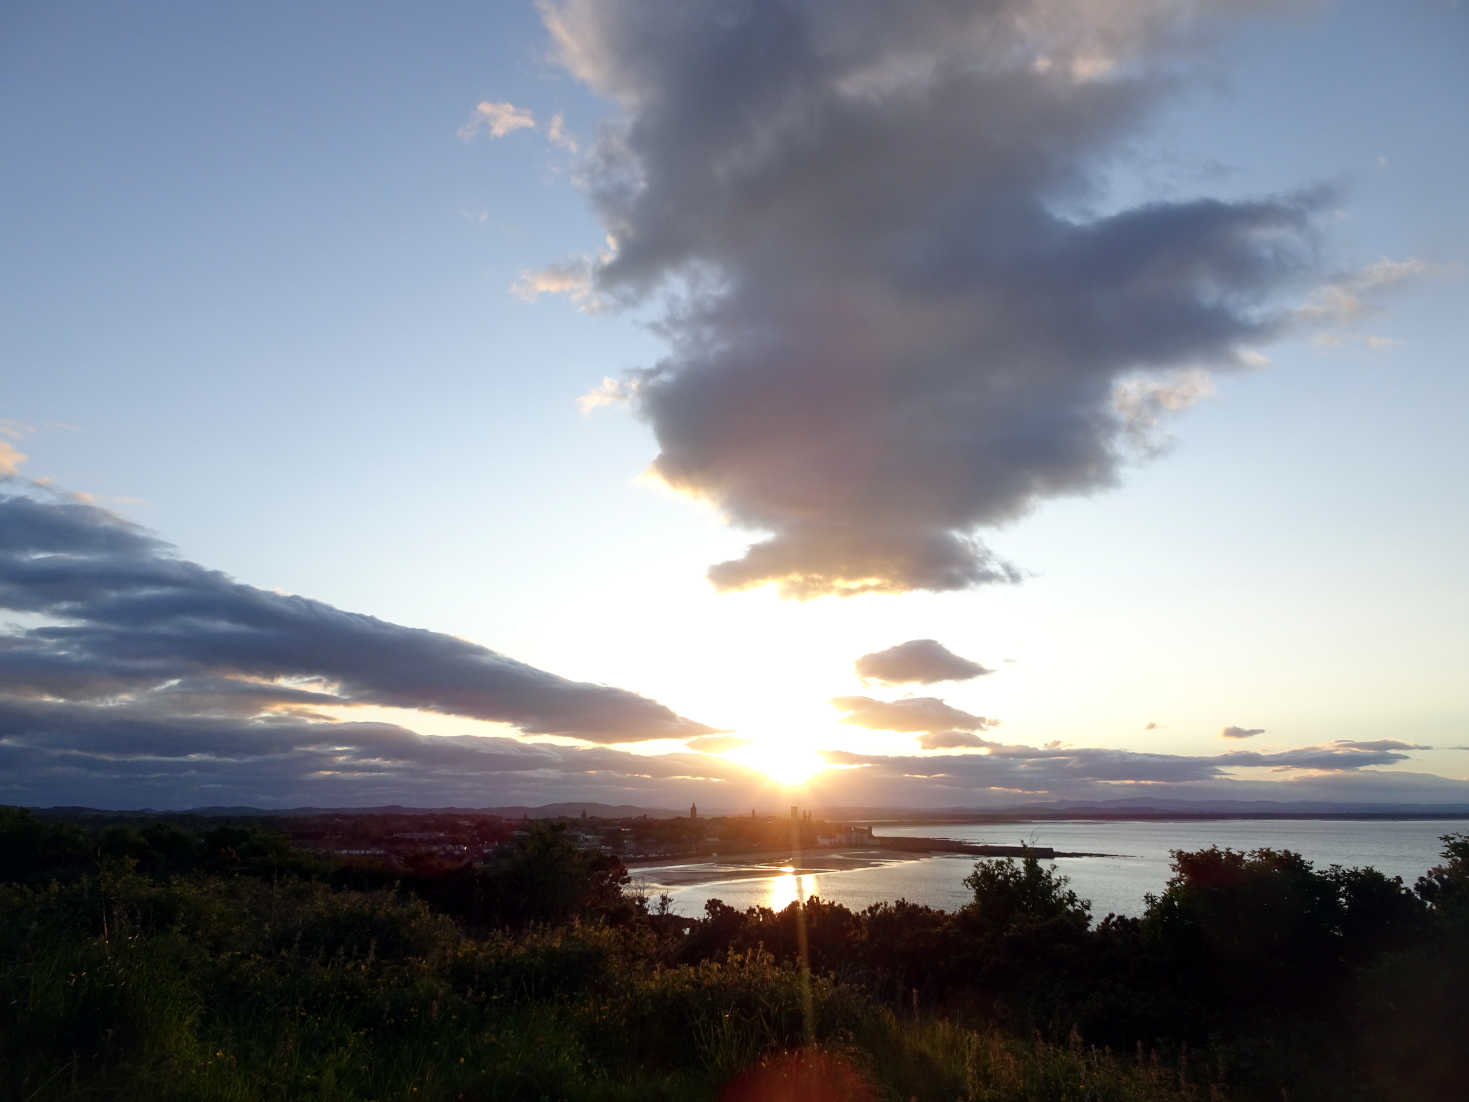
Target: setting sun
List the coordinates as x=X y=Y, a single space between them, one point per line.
x=787 y=765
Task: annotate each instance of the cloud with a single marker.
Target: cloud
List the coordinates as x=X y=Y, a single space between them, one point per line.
x=1342 y=769
x=572 y=278
x=919 y=713
x=568 y=278
x=938 y=783
x=557 y=134
x=1379 y=744
x=717 y=744
x=10 y=459
x=951 y=740
x=1337 y=755
x=923 y=661
x=1152 y=726
x=1349 y=297
x=110 y=756
x=1241 y=732
x=609 y=392
x=127 y=621
x=893 y=323
x=1142 y=403
x=499 y=119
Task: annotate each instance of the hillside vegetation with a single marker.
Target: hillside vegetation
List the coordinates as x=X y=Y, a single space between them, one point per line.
x=154 y=962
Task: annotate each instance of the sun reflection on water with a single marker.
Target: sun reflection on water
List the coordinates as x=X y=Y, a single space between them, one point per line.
x=788 y=887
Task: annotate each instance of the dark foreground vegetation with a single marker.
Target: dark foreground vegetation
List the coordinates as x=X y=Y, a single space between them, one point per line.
x=152 y=962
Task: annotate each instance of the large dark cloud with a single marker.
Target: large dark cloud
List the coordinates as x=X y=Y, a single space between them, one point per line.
x=919 y=713
x=127 y=623
x=921 y=661
x=898 y=316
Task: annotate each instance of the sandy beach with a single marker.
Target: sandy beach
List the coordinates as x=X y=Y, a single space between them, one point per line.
x=681 y=872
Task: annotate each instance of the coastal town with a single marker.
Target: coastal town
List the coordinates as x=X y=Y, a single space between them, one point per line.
x=427 y=841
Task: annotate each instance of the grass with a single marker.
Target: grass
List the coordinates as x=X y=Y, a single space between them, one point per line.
x=234 y=988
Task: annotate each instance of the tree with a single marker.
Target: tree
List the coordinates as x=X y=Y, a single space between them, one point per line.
x=1007 y=894
x=544 y=876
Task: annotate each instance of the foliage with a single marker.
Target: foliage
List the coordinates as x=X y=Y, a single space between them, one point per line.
x=162 y=963
x=1007 y=895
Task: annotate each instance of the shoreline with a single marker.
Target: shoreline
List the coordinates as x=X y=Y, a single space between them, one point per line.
x=802 y=860
x=691 y=869
x=888 y=847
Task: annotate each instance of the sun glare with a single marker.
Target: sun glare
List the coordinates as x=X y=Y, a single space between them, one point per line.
x=791 y=766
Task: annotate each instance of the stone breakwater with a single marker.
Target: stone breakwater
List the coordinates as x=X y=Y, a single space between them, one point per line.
x=976 y=849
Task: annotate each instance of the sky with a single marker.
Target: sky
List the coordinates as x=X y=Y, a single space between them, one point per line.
x=847 y=403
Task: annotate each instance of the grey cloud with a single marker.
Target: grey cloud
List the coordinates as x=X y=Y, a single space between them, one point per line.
x=1335 y=756
x=920 y=713
x=923 y=661
x=950 y=740
x=1379 y=744
x=129 y=622
x=118 y=756
x=1100 y=773
x=1241 y=732
x=938 y=783
x=1031 y=768
x=893 y=323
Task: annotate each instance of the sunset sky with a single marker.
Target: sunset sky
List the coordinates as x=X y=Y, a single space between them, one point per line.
x=934 y=404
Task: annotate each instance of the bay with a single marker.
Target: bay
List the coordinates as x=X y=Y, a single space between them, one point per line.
x=1138 y=861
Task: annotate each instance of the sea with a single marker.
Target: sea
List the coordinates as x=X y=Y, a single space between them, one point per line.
x=1136 y=860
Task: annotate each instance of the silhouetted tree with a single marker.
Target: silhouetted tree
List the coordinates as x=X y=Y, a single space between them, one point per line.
x=544 y=876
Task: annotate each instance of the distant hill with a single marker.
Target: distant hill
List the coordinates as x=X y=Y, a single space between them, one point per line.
x=545 y=811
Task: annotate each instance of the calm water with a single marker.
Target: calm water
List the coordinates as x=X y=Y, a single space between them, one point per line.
x=1403 y=848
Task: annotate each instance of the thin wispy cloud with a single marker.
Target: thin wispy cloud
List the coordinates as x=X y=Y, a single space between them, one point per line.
x=497 y=120
x=572 y=278
x=890 y=327
x=717 y=744
x=558 y=135
x=11 y=459
x=1144 y=403
x=1351 y=296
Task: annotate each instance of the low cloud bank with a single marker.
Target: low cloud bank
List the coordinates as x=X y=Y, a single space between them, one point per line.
x=140 y=671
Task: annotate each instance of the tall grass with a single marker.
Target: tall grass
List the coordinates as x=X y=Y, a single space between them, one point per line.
x=234 y=988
